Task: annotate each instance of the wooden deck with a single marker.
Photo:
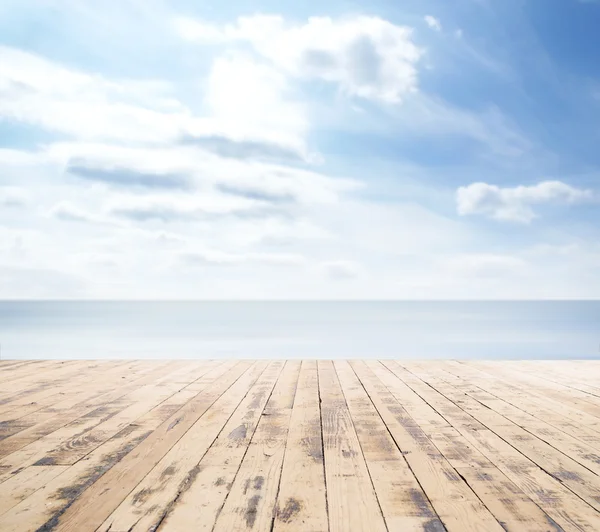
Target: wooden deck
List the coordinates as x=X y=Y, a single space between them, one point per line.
x=299 y=446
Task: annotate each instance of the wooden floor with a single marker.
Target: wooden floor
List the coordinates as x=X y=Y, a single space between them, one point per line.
x=299 y=445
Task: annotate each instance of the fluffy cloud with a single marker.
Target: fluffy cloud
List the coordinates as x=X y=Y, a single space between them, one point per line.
x=433 y=23
x=366 y=56
x=89 y=107
x=40 y=92
x=515 y=204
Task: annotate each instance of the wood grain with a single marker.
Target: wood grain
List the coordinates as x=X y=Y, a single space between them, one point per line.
x=299 y=445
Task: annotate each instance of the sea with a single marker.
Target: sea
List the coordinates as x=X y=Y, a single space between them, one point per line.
x=408 y=330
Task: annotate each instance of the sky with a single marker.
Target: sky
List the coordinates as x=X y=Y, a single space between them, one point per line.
x=299 y=150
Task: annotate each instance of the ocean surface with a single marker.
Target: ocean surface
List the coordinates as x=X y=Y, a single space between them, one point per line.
x=404 y=330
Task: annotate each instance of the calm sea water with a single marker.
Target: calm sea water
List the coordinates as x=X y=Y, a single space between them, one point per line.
x=409 y=330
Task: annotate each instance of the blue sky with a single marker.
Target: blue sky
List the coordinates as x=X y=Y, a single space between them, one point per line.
x=207 y=150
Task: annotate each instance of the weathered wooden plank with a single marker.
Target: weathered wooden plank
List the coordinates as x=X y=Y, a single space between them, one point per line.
x=250 y=504
x=408 y=445
x=145 y=507
x=454 y=501
x=39 y=417
x=199 y=504
x=351 y=497
x=91 y=489
x=299 y=508
x=25 y=482
x=84 y=433
x=578 y=478
x=559 y=503
x=403 y=503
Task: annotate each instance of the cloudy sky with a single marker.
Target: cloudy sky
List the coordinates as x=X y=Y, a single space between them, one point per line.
x=328 y=150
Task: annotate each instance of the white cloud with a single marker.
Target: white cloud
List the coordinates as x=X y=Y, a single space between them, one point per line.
x=515 y=204
x=252 y=179
x=227 y=170
x=13 y=197
x=39 y=92
x=433 y=23
x=366 y=56
x=257 y=122
x=244 y=96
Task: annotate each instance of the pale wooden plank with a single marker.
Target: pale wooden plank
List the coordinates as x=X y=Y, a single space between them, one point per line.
x=301 y=502
x=66 y=410
x=93 y=487
x=514 y=510
x=30 y=411
x=32 y=369
x=32 y=382
x=568 y=510
x=84 y=433
x=250 y=504
x=579 y=479
x=22 y=484
x=574 y=398
x=403 y=503
x=570 y=420
x=99 y=501
x=199 y=504
x=351 y=498
x=455 y=503
x=145 y=507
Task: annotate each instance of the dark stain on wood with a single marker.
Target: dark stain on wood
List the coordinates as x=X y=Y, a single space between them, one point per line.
x=45 y=461
x=313 y=447
x=168 y=472
x=434 y=525
x=483 y=476
x=12 y=426
x=190 y=478
x=567 y=475
x=220 y=481
x=451 y=475
x=98 y=412
x=126 y=431
x=251 y=511
x=174 y=423
x=290 y=510
x=554 y=525
x=420 y=501
x=70 y=493
x=239 y=433
x=258 y=482
x=142 y=496
x=592 y=457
